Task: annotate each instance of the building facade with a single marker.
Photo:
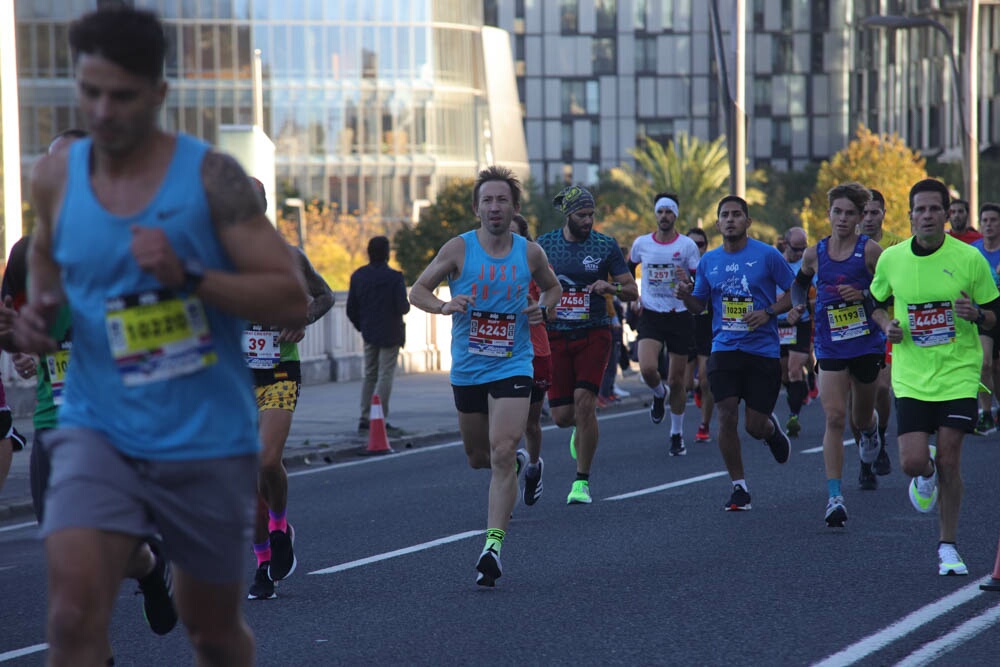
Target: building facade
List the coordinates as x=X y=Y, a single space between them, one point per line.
x=370 y=104
x=596 y=77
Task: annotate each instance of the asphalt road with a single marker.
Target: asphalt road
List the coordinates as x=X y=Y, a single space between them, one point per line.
x=653 y=572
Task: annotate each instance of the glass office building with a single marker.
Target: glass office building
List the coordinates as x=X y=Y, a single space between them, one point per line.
x=370 y=104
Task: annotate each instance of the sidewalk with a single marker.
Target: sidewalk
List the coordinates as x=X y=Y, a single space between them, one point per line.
x=324 y=429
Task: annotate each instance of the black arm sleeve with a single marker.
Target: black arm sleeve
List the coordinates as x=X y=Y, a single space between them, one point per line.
x=884 y=305
x=803 y=280
x=993 y=305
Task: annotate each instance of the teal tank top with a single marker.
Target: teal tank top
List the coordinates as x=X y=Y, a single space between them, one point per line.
x=157 y=371
x=492 y=340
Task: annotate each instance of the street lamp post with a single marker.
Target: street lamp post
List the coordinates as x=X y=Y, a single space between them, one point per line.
x=966 y=102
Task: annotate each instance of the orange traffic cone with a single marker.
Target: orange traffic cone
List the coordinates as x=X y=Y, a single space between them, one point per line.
x=994 y=583
x=378 y=441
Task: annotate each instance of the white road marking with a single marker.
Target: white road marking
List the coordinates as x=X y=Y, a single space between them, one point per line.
x=904 y=626
x=963 y=633
x=670 y=485
x=18 y=526
x=816 y=450
x=21 y=652
x=399 y=552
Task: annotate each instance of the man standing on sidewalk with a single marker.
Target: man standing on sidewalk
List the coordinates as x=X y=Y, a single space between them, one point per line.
x=376 y=303
x=489 y=271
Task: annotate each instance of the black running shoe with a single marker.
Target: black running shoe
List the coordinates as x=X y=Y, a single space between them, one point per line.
x=282 y=554
x=157 y=589
x=363 y=425
x=779 y=443
x=866 y=477
x=883 y=466
x=657 y=410
x=262 y=587
x=739 y=501
x=677 y=447
x=533 y=483
x=488 y=568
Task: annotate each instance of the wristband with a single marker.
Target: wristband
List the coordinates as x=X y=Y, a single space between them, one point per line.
x=618 y=288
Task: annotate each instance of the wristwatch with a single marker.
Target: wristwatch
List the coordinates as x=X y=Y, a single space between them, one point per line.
x=770 y=311
x=194 y=273
x=981 y=317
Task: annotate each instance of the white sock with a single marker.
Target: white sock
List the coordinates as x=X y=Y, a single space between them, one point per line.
x=676 y=423
x=741 y=482
x=659 y=391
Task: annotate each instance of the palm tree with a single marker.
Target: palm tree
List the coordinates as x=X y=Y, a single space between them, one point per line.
x=697 y=171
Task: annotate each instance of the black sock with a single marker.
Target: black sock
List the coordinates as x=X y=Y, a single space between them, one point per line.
x=797 y=392
x=585 y=476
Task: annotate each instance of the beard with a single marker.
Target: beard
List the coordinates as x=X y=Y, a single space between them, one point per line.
x=578 y=231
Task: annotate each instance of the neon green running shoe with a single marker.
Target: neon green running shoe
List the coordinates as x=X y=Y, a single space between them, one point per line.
x=580 y=493
x=924 y=490
x=572 y=443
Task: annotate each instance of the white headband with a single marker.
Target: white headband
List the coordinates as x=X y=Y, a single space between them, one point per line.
x=666 y=202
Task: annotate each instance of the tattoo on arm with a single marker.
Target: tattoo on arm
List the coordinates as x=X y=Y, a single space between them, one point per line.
x=231 y=197
x=322 y=296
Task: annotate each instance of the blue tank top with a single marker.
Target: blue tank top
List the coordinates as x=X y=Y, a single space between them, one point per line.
x=159 y=372
x=844 y=331
x=492 y=340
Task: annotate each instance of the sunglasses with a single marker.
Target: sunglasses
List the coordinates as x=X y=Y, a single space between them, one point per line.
x=700 y=244
x=794 y=249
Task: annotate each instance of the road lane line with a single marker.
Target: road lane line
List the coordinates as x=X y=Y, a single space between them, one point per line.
x=399 y=552
x=18 y=526
x=816 y=450
x=670 y=485
x=21 y=652
x=904 y=626
x=961 y=634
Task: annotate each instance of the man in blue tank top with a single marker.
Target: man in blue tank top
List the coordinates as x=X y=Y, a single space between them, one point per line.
x=489 y=270
x=849 y=347
x=740 y=281
x=161 y=251
x=989 y=246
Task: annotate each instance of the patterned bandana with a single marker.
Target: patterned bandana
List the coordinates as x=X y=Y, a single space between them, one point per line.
x=572 y=199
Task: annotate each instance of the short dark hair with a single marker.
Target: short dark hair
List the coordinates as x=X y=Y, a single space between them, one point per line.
x=260 y=191
x=960 y=202
x=858 y=194
x=989 y=206
x=736 y=198
x=699 y=231
x=672 y=195
x=131 y=38
x=877 y=197
x=932 y=185
x=378 y=249
x=522 y=225
x=496 y=172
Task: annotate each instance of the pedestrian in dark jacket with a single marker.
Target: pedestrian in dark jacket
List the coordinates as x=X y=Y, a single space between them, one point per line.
x=376 y=303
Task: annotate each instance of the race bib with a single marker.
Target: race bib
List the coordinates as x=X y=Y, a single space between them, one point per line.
x=492 y=334
x=931 y=323
x=157 y=336
x=56 y=364
x=734 y=309
x=787 y=335
x=661 y=279
x=574 y=304
x=261 y=348
x=847 y=321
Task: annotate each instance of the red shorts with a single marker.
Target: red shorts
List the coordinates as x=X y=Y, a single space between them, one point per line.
x=579 y=359
x=542 y=377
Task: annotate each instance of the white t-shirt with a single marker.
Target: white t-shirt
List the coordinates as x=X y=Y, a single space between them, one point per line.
x=660 y=262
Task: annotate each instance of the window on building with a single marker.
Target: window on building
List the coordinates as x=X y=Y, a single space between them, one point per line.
x=816 y=58
x=762 y=96
x=574 y=101
x=595 y=141
x=491 y=15
x=639 y=14
x=660 y=131
x=566 y=141
x=821 y=15
x=569 y=15
x=606 y=12
x=783 y=54
x=667 y=14
x=781 y=137
x=603 y=54
x=645 y=55
x=758 y=14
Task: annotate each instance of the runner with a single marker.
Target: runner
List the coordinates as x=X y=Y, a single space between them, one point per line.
x=580 y=336
x=489 y=270
x=664 y=321
x=871 y=226
x=958 y=214
x=160 y=249
x=703 y=398
x=795 y=333
x=542 y=380
x=849 y=349
x=272 y=353
x=937 y=358
x=989 y=246
x=740 y=280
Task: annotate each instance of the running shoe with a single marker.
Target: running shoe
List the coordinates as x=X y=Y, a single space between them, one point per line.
x=868 y=444
x=882 y=466
x=949 y=562
x=657 y=409
x=602 y=402
x=262 y=587
x=702 y=435
x=580 y=493
x=157 y=589
x=488 y=568
x=986 y=425
x=836 y=513
x=533 y=483
x=739 y=501
x=677 y=447
x=572 y=443
x=697 y=397
x=620 y=393
x=779 y=443
x=924 y=490
x=866 y=477
x=520 y=458
x=282 y=554
x=792 y=426
x=394 y=431
x=363 y=425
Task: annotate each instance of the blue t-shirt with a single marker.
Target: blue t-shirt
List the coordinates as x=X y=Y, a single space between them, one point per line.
x=736 y=283
x=578 y=264
x=992 y=258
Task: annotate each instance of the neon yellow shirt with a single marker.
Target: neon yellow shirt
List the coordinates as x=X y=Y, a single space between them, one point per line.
x=940 y=356
x=889 y=239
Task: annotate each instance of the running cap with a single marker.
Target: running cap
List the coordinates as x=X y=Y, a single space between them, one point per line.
x=572 y=199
